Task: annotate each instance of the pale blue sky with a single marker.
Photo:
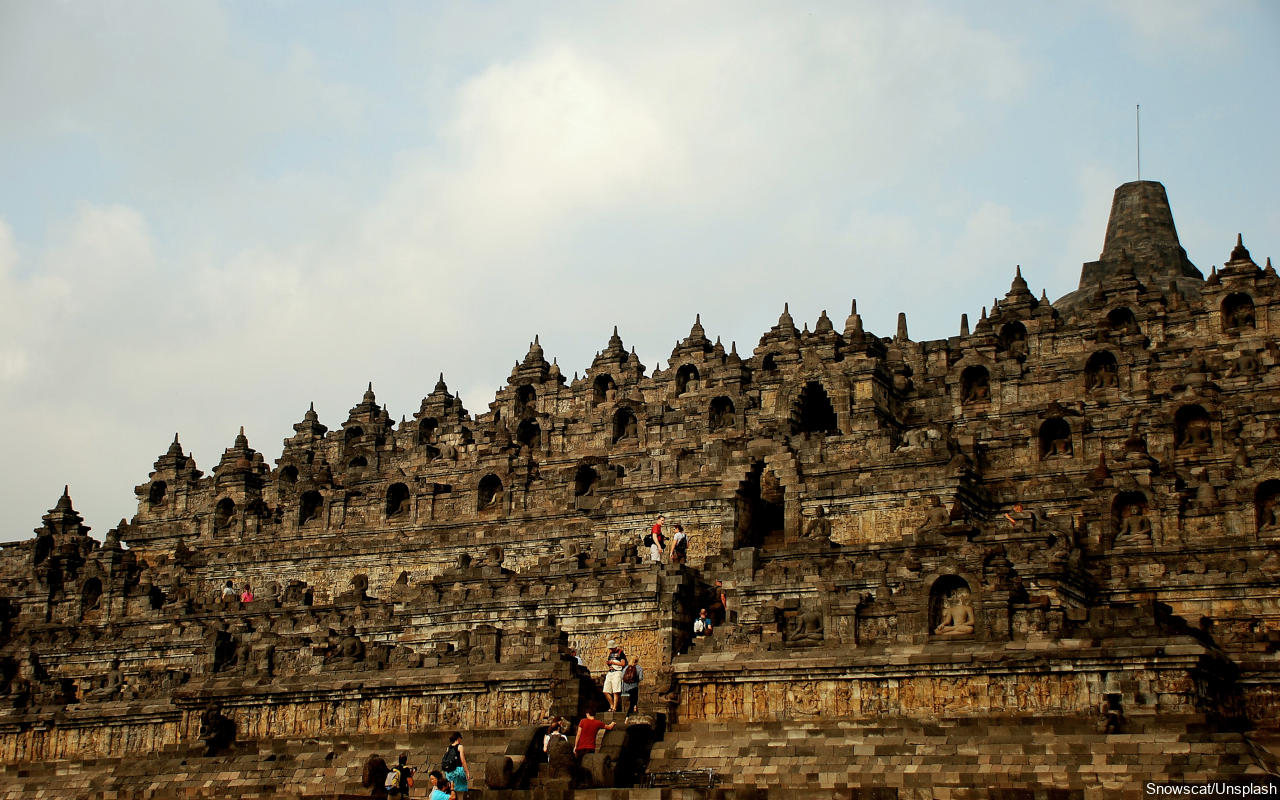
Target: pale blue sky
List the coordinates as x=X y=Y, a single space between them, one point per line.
x=213 y=214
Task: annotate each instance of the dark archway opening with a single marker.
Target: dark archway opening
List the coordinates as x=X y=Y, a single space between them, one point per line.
x=947 y=594
x=975 y=385
x=397 y=500
x=603 y=388
x=1055 y=439
x=1013 y=339
x=721 y=414
x=1193 y=428
x=625 y=426
x=91 y=595
x=312 y=503
x=1101 y=371
x=224 y=514
x=686 y=378
x=760 y=504
x=529 y=434
x=1267 y=503
x=1238 y=312
x=526 y=400
x=427 y=429
x=1130 y=524
x=489 y=492
x=1122 y=322
x=814 y=413
x=584 y=480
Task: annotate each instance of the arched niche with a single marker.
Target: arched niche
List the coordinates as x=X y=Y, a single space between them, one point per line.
x=686 y=378
x=1193 y=428
x=156 y=494
x=224 y=513
x=288 y=475
x=43 y=548
x=489 y=492
x=1013 y=339
x=813 y=411
x=1267 y=505
x=527 y=398
x=529 y=434
x=359 y=462
x=585 y=480
x=428 y=427
x=1101 y=371
x=975 y=384
x=951 y=611
x=1130 y=523
x=91 y=594
x=760 y=509
x=1055 y=439
x=257 y=507
x=310 y=507
x=1238 y=312
x=353 y=432
x=397 y=500
x=769 y=363
x=625 y=426
x=602 y=389
x=721 y=413
x=1121 y=322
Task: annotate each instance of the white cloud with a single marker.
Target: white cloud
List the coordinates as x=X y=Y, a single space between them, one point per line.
x=515 y=200
x=1164 y=22
x=630 y=164
x=13 y=359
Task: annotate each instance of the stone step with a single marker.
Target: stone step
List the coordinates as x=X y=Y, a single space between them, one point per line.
x=275 y=769
x=836 y=755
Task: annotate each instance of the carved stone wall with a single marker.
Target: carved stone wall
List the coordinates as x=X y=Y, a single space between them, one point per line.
x=965 y=527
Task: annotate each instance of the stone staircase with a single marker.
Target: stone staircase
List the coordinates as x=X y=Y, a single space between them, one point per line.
x=895 y=757
x=273 y=769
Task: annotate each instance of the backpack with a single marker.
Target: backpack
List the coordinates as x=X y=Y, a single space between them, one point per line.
x=393 y=779
x=451 y=760
x=682 y=544
x=629 y=674
x=648 y=540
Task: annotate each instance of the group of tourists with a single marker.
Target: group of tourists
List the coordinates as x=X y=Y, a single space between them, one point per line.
x=622 y=677
x=230 y=595
x=673 y=549
x=584 y=740
x=449 y=782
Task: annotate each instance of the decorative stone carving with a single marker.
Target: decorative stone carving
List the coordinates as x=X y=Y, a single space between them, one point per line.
x=804 y=629
x=359 y=591
x=217 y=731
x=1133 y=526
x=349 y=651
x=819 y=528
x=951 y=607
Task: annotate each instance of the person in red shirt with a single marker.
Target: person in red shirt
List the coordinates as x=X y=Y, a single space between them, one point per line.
x=587 y=730
x=659 y=541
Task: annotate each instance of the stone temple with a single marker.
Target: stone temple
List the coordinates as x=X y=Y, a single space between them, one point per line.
x=1040 y=558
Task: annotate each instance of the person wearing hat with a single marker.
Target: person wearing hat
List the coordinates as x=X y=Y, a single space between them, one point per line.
x=616 y=662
